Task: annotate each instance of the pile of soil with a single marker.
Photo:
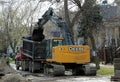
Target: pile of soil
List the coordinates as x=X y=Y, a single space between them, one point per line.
x=14 y=78
x=5 y=68
x=8 y=74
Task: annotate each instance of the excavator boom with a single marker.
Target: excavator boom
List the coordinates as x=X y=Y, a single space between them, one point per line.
x=58 y=21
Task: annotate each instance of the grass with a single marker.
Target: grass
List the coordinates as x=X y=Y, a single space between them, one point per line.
x=11 y=60
x=106 y=71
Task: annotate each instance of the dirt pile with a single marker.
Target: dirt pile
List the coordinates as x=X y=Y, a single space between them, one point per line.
x=14 y=78
x=5 y=68
x=8 y=74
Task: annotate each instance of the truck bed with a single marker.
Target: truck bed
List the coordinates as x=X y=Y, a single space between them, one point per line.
x=34 y=49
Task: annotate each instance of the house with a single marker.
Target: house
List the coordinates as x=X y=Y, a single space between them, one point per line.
x=110 y=31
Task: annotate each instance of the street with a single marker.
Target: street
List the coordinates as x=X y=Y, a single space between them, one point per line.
x=39 y=77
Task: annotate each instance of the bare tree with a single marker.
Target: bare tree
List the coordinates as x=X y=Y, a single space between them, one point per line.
x=16 y=21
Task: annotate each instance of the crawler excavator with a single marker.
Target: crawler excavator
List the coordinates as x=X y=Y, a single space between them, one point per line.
x=54 y=56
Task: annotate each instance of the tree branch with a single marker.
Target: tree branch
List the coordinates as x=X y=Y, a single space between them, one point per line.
x=67 y=18
x=78 y=3
x=76 y=17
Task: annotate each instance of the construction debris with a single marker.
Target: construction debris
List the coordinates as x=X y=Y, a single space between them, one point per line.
x=116 y=76
x=5 y=68
x=8 y=74
x=14 y=78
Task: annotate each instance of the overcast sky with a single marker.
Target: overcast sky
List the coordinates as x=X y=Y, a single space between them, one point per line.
x=46 y=5
x=43 y=6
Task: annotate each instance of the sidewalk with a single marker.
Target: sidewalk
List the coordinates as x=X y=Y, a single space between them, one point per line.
x=107 y=66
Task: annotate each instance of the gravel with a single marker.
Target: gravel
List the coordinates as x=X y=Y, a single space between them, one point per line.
x=39 y=77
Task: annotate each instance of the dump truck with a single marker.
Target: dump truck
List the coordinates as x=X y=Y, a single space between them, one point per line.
x=55 y=55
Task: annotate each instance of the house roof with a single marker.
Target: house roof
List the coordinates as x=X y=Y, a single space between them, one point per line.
x=109 y=12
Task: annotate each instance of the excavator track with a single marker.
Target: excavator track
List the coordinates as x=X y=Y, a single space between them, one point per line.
x=90 y=70
x=54 y=70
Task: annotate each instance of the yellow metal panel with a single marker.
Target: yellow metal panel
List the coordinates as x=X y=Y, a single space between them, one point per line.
x=71 y=54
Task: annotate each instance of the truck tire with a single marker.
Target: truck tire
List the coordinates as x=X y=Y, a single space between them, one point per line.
x=17 y=67
x=33 y=67
x=22 y=66
x=26 y=63
x=17 y=64
x=30 y=66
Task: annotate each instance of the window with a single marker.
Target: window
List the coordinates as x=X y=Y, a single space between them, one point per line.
x=57 y=42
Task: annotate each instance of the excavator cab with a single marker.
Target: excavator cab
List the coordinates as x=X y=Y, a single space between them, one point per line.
x=52 y=43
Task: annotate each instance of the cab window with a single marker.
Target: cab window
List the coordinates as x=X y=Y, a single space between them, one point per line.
x=57 y=42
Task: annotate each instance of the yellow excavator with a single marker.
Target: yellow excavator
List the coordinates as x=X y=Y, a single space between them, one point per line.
x=54 y=56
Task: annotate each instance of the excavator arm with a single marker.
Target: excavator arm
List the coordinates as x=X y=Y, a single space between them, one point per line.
x=45 y=17
x=58 y=21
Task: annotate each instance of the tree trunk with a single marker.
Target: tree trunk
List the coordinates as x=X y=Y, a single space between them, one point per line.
x=95 y=58
x=67 y=18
